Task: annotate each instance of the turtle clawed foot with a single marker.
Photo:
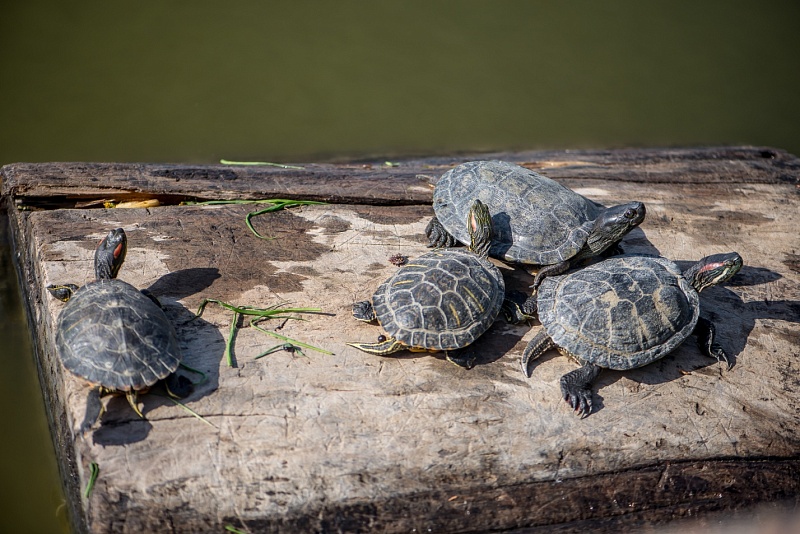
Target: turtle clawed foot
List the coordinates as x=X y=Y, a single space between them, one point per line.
x=438 y=237
x=580 y=401
x=717 y=352
x=576 y=388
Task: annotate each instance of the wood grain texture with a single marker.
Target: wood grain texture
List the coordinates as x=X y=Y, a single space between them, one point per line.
x=373 y=182
x=354 y=442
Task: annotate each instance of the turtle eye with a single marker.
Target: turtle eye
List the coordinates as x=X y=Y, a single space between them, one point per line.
x=630 y=213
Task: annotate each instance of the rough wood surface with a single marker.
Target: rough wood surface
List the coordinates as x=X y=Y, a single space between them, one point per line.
x=350 y=441
x=375 y=182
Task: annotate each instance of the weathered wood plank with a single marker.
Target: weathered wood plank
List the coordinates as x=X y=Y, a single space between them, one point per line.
x=374 y=182
x=356 y=442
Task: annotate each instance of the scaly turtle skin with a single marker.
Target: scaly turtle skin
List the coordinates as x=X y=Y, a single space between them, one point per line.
x=441 y=301
x=113 y=335
x=622 y=313
x=536 y=220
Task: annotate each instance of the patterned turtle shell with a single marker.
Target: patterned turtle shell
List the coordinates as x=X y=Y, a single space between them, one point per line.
x=443 y=300
x=621 y=313
x=535 y=219
x=116 y=337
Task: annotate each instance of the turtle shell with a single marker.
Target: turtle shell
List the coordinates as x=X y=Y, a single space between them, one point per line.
x=443 y=300
x=535 y=219
x=114 y=336
x=620 y=313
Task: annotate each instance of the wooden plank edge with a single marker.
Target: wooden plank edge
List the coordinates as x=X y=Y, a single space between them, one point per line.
x=611 y=502
x=375 y=182
x=60 y=432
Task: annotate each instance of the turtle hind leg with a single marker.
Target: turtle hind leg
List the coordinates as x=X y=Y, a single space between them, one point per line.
x=461 y=357
x=438 y=237
x=133 y=397
x=549 y=270
x=705 y=332
x=576 y=388
x=363 y=311
x=94 y=410
x=381 y=348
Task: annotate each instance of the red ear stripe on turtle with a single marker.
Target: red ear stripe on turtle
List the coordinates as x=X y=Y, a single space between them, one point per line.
x=711 y=266
x=118 y=251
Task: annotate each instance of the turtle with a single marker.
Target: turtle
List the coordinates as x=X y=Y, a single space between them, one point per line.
x=536 y=220
x=114 y=336
x=441 y=301
x=622 y=313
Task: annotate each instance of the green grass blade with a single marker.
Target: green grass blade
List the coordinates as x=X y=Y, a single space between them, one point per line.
x=270 y=312
x=290 y=340
x=193 y=413
x=255 y=163
x=204 y=377
x=231 y=336
x=94 y=472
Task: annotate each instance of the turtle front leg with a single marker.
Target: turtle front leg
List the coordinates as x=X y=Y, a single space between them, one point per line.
x=705 y=332
x=549 y=270
x=576 y=388
x=537 y=346
x=530 y=307
x=438 y=237
x=462 y=358
x=614 y=250
x=381 y=348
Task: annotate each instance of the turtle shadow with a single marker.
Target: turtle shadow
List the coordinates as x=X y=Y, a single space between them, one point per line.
x=202 y=347
x=184 y=282
x=734 y=320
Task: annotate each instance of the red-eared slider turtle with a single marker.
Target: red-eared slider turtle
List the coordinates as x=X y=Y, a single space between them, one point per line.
x=442 y=301
x=622 y=313
x=114 y=336
x=536 y=220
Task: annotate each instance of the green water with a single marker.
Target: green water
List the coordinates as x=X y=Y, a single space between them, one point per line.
x=196 y=81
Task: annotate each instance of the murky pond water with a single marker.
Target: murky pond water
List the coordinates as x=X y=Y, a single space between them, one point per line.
x=303 y=81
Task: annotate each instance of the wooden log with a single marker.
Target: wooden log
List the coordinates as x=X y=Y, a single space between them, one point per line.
x=354 y=442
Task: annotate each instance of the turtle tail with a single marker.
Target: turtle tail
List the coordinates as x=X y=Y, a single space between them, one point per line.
x=381 y=348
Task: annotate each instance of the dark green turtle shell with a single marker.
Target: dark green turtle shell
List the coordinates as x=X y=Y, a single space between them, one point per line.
x=620 y=313
x=443 y=300
x=535 y=219
x=114 y=336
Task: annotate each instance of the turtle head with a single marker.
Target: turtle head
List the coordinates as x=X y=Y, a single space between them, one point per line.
x=613 y=224
x=110 y=254
x=713 y=270
x=479 y=226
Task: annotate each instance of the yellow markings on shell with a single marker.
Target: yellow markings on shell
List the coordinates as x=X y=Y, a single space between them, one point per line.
x=403 y=282
x=474 y=299
x=455 y=313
